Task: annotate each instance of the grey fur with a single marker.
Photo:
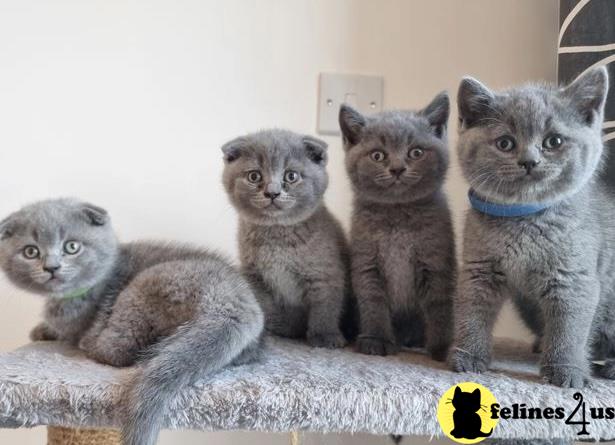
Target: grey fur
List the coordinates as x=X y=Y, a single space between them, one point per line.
x=291 y=248
x=557 y=265
x=402 y=241
x=185 y=310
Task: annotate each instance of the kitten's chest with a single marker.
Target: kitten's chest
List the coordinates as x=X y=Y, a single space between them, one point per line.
x=70 y=319
x=279 y=261
x=531 y=252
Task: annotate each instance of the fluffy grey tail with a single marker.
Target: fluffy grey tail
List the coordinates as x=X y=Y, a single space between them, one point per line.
x=196 y=350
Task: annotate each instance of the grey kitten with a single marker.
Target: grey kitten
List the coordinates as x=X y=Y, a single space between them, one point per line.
x=187 y=308
x=291 y=248
x=538 y=146
x=402 y=241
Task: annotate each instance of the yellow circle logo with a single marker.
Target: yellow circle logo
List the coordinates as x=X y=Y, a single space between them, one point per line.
x=464 y=413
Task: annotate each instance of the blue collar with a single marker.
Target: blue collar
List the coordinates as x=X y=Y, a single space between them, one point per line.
x=505 y=210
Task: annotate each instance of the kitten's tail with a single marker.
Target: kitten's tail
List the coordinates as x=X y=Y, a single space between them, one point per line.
x=195 y=350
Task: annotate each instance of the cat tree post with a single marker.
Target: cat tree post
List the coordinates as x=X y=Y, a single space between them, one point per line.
x=59 y=435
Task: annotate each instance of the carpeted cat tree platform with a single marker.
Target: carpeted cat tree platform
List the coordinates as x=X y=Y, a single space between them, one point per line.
x=293 y=388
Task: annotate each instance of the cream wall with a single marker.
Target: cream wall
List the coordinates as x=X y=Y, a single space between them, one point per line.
x=126 y=103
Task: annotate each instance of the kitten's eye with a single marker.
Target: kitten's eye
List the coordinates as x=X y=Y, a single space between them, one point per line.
x=552 y=142
x=505 y=143
x=377 y=156
x=254 y=176
x=416 y=153
x=31 y=252
x=291 y=176
x=72 y=247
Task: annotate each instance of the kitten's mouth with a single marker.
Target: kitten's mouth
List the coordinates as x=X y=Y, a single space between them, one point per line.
x=396 y=182
x=54 y=280
x=277 y=206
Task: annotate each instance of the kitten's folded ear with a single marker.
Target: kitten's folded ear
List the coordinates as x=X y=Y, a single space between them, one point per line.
x=588 y=93
x=316 y=149
x=95 y=215
x=232 y=149
x=437 y=113
x=7 y=227
x=352 y=124
x=473 y=101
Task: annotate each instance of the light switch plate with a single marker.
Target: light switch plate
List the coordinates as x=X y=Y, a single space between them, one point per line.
x=361 y=92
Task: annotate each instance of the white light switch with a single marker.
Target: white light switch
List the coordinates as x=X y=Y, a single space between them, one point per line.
x=361 y=92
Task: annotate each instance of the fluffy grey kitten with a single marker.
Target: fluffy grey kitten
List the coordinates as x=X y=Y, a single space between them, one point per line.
x=186 y=308
x=402 y=241
x=538 y=145
x=291 y=248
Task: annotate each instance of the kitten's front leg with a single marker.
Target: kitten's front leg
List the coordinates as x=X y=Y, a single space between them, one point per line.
x=326 y=302
x=376 y=336
x=280 y=320
x=436 y=300
x=43 y=332
x=477 y=303
x=568 y=312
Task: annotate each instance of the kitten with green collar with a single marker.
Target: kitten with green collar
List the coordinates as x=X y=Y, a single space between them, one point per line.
x=187 y=308
x=402 y=241
x=541 y=229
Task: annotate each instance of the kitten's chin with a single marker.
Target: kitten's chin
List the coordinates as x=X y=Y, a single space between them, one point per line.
x=279 y=217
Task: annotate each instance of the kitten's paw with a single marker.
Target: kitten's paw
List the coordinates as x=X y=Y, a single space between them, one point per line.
x=438 y=352
x=463 y=361
x=376 y=346
x=87 y=343
x=565 y=376
x=326 y=340
x=42 y=332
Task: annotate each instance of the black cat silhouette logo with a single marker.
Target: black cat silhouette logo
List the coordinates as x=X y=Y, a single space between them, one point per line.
x=463 y=413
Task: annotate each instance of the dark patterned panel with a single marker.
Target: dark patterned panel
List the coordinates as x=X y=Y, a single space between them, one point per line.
x=588 y=40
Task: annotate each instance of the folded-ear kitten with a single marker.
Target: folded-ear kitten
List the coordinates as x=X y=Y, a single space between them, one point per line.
x=185 y=309
x=291 y=247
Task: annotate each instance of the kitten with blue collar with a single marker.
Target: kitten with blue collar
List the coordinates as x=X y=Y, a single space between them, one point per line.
x=541 y=226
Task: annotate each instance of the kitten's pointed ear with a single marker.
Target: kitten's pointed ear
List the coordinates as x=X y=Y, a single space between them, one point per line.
x=232 y=149
x=316 y=149
x=97 y=216
x=473 y=101
x=588 y=93
x=476 y=393
x=457 y=390
x=6 y=227
x=437 y=113
x=352 y=124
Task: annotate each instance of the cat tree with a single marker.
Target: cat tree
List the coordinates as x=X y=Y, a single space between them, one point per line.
x=293 y=388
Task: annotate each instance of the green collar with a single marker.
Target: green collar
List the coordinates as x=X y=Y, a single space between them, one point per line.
x=75 y=295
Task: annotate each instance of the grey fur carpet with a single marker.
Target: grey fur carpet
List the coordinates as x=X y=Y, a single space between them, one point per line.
x=294 y=387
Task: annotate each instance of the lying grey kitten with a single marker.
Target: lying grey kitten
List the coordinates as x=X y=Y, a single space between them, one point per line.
x=117 y=300
x=402 y=241
x=544 y=234
x=291 y=248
